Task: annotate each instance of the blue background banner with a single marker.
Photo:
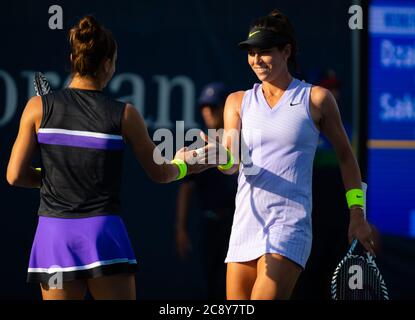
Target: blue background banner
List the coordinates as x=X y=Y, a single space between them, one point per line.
x=391 y=116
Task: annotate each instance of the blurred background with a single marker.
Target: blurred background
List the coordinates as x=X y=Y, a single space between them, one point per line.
x=167 y=52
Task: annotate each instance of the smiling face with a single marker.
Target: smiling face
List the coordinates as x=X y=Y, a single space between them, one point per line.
x=269 y=64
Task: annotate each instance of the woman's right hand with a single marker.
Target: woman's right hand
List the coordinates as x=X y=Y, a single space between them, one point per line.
x=201 y=159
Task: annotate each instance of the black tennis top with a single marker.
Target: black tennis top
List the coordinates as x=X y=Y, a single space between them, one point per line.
x=81 y=149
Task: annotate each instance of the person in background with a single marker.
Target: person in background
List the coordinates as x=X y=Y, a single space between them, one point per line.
x=215 y=193
x=330 y=81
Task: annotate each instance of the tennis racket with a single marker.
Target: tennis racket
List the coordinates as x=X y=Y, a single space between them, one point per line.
x=42 y=87
x=357 y=277
x=41 y=84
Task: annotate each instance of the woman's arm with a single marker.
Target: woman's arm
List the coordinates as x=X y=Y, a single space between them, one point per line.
x=135 y=132
x=232 y=127
x=332 y=127
x=19 y=170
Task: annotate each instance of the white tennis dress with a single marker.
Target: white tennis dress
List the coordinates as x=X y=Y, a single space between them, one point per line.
x=274 y=198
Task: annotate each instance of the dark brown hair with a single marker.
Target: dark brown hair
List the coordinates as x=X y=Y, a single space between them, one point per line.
x=279 y=23
x=90 y=44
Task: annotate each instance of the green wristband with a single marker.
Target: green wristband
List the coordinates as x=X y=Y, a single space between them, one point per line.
x=355 y=197
x=230 y=162
x=182 y=168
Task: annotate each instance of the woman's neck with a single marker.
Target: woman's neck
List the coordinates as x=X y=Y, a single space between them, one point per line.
x=86 y=83
x=277 y=86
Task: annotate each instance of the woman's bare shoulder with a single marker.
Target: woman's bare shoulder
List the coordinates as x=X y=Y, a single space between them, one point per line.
x=234 y=101
x=33 y=111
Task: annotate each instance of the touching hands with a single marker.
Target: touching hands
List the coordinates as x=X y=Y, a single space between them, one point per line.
x=209 y=156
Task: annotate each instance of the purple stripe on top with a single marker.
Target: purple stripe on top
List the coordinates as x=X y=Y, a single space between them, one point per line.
x=80 y=141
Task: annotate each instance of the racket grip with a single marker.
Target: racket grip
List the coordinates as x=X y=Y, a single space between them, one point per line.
x=364 y=189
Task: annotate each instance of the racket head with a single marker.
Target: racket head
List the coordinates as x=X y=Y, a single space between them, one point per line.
x=41 y=84
x=357 y=277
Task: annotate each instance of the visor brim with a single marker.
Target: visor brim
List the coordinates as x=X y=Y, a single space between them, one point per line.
x=261 y=43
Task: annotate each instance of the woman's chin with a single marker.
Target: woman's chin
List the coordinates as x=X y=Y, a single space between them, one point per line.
x=262 y=77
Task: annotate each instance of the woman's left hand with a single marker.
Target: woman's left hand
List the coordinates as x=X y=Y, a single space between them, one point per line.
x=360 y=229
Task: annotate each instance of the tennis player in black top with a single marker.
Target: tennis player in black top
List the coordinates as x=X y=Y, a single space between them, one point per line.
x=81 y=242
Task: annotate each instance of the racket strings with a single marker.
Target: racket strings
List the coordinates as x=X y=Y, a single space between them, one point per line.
x=41 y=84
x=357 y=280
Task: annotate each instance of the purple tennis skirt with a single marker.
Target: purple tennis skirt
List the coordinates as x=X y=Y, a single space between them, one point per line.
x=80 y=248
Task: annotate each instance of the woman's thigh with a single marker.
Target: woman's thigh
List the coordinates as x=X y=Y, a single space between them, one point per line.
x=240 y=278
x=115 y=287
x=71 y=290
x=276 y=277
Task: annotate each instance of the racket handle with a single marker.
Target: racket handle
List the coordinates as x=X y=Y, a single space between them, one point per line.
x=353 y=246
x=364 y=189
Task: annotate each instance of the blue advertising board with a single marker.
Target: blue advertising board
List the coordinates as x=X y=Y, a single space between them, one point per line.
x=391 y=117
